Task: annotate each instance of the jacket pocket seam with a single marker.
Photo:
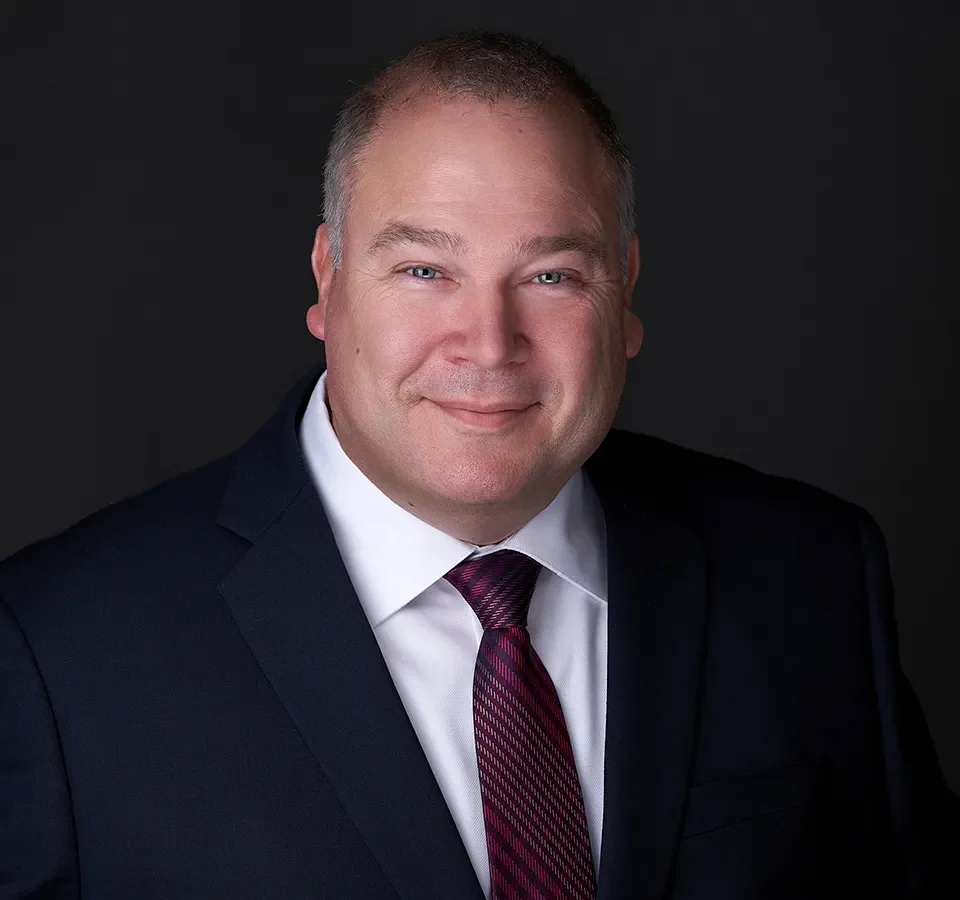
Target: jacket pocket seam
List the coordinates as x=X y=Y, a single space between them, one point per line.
x=763 y=815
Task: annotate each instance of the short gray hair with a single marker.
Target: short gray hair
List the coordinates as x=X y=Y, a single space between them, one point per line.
x=484 y=65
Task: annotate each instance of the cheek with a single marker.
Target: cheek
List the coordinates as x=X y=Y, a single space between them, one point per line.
x=371 y=336
x=581 y=344
x=586 y=356
x=399 y=345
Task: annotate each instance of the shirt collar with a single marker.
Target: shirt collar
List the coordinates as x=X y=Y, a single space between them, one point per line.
x=392 y=556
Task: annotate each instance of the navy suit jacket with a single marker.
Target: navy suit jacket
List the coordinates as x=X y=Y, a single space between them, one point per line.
x=193 y=704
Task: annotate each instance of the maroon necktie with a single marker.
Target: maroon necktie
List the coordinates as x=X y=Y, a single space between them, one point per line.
x=538 y=845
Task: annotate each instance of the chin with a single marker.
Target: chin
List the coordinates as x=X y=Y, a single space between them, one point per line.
x=479 y=481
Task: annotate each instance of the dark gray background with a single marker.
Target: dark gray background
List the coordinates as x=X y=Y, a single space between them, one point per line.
x=794 y=179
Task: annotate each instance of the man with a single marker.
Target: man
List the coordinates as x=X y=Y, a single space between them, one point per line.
x=436 y=631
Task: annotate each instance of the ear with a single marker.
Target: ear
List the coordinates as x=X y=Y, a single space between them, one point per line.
x=632 y=326
x=321 y=259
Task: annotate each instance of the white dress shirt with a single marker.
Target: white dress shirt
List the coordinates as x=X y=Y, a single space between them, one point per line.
x=429 y=636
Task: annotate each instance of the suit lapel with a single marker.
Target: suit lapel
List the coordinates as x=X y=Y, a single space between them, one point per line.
x=295 y=606
x=656 y=618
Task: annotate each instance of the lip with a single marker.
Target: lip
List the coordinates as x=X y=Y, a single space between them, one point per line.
x=482 y=407
x=485 y=415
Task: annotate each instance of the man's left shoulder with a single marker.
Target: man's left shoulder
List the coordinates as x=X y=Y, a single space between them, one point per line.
x=715 y=494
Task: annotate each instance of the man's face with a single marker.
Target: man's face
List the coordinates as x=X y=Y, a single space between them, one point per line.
x=478 y=330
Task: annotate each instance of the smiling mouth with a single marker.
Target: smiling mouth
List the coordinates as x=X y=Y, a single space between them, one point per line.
x=492 y=417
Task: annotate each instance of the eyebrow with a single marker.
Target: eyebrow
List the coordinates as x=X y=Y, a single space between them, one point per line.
x=394 y=233
x=588 y=245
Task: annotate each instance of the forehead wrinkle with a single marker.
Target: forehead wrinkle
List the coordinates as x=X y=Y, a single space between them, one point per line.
x=396 y=232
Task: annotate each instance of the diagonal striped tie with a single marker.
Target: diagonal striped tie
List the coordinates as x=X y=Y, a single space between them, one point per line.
x=537 y=840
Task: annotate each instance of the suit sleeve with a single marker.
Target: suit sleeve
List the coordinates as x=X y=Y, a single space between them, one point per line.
x=924 y=813
x=38 y=859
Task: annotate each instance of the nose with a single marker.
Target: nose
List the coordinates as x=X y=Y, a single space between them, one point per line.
x=488 y=331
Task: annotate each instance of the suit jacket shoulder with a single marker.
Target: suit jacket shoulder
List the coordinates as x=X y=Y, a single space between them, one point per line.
x=170 y=528
x=715 y=495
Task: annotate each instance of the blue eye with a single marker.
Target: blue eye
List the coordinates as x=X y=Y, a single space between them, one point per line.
x=425 y=272
x=549 y=278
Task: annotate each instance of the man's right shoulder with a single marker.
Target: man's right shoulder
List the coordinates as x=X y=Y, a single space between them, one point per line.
x=167 y=532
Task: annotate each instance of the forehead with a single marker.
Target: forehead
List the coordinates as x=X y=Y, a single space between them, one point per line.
x=477 y=160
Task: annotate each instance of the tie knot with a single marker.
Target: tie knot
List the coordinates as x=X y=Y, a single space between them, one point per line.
x=498 y=586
